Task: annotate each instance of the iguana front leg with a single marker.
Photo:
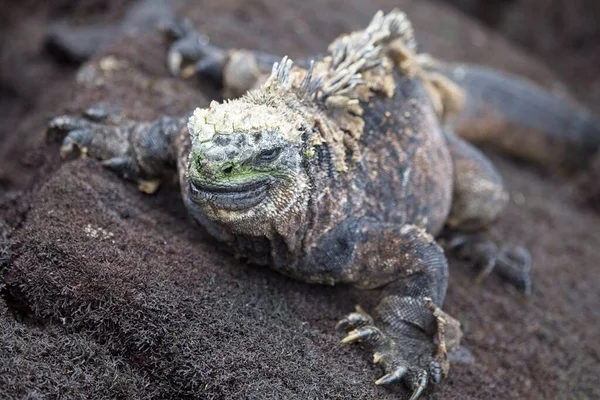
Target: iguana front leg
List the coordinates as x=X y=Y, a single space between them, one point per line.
x=144 y=152
x=413 y=269
x=234 y=70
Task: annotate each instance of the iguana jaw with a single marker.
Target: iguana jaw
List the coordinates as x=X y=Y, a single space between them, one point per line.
x=238 y=197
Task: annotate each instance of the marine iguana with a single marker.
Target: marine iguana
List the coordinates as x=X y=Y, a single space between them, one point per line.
x=343 y=168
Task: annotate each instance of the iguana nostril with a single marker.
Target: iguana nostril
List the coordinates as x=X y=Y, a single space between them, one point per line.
x=200 y=163
x=228 y=169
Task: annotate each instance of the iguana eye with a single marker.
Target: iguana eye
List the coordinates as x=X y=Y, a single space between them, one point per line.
x=267 y=156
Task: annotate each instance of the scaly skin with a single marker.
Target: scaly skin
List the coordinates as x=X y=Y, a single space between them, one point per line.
x=340 y=172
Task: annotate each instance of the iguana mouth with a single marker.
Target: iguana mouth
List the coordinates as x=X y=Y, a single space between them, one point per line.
x=234 y=197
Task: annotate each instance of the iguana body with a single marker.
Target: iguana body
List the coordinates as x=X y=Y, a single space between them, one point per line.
x=341 y=171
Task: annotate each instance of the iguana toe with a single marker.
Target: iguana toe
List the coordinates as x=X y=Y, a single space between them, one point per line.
x=354 y=320
x=364 y=334
x=514 y=264
x=77 y=140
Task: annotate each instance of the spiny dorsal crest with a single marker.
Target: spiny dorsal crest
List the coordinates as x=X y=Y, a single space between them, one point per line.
x=280 y=75
x=353 y=54
x=350 y=56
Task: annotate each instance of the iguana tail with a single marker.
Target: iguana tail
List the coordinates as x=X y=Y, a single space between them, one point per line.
x=521 y=118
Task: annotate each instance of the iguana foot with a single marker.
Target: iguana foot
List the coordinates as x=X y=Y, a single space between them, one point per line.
x=406 y=353
x=511 y=263
x=98 y=133
x=138 y=151
x=191 y=53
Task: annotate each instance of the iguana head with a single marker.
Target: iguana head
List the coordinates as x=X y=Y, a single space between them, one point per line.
x=246 y=163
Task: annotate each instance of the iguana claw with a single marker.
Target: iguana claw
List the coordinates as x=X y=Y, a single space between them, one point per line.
x=394 y=376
